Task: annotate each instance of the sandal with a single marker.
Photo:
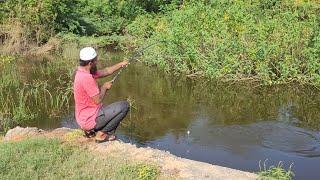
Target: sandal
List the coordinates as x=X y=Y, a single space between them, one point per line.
x=112 y=137
x=108 y=137
x=89 y=134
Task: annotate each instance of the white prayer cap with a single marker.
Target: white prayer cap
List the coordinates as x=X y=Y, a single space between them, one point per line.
x=87 y=54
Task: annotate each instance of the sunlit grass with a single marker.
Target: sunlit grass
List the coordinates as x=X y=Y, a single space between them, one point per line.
x=74 y=134
x=43 y=158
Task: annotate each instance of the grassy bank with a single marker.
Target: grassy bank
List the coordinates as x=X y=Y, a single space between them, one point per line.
x=43 y=158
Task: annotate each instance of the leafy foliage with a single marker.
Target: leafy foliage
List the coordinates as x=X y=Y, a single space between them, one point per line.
x=38 y=18
x=42 y=19
x=273 y=41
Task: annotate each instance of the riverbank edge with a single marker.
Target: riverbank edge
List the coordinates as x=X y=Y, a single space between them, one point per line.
x=68 y=45
x=169 y=165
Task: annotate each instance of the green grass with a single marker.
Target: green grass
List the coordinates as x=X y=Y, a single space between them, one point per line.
x=275 y=172
x=74 y=134
x=43 y=158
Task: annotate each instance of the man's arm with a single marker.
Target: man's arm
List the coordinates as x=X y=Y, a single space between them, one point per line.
x=99 y=97
x=109 y=70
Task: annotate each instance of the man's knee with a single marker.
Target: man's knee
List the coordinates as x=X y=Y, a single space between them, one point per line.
x=125 y=105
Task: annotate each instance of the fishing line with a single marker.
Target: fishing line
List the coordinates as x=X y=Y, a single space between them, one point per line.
x=135 y=56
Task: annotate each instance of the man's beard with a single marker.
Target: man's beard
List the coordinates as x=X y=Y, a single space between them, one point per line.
x=93 y=69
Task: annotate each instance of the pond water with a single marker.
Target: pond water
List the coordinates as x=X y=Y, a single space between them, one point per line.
x=226 y=124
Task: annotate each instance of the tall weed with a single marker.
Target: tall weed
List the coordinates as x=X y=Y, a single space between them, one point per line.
x=23 y=101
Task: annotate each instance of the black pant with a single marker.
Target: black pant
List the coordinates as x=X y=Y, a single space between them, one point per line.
x=109 y=117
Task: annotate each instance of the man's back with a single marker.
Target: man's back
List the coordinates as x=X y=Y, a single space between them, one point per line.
x=84 y=88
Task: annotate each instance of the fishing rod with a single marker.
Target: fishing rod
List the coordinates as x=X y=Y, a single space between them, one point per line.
x=135 y=56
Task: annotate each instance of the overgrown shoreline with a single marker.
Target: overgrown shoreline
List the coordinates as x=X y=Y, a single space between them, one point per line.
x=25 y=86
x=273 y=42
x=46 y=82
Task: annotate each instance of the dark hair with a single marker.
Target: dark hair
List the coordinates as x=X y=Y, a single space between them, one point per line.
x=84 y=63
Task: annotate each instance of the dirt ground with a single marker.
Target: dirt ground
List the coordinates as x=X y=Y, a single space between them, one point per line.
x=171 y=166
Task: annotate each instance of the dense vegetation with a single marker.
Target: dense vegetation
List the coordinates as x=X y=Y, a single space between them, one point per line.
x=42 y=19
x=272 y=41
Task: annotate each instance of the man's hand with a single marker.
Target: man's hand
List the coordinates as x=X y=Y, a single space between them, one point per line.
x=107 y=85
x=124 y=63
x=110 y=70
x=99 y=98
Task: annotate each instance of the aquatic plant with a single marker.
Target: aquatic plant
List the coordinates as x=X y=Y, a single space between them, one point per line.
x=275 y=172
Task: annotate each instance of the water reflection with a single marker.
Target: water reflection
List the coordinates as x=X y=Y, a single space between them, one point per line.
x=164 y=104
x=228 y=124
x=240 y=138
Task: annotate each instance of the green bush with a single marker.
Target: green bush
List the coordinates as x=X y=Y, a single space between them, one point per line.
x=42 y=19
x=38 y=19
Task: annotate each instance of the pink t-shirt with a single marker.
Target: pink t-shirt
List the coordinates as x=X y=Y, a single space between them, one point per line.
x=86 y=110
